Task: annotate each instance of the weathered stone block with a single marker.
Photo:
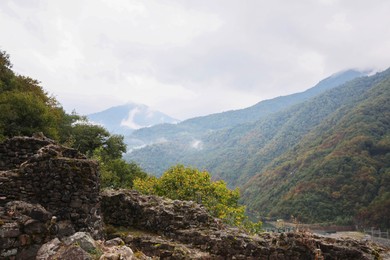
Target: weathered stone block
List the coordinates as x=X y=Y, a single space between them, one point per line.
x=9 y=230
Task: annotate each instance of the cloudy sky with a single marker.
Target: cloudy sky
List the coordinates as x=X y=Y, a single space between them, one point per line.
x=189 y=58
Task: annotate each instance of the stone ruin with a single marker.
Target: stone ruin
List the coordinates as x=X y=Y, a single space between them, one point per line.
x=51 y=207
x=40 y=180
x=187 y=225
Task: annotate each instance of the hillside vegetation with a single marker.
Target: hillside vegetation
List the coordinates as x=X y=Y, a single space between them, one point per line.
x=322 y=160
x=340 y=170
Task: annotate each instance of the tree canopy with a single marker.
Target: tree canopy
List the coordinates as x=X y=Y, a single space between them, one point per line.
x=186 y=183
x=25 y=107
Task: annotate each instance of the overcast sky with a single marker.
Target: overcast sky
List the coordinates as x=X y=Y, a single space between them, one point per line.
x=189 y=58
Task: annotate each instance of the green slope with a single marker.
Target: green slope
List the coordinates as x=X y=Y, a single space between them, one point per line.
x=340 y=170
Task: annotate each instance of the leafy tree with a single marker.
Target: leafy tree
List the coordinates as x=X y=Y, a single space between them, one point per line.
x=117 y=173
x=24 y=114
x=187 y=183
x=113 y=147
x=25 y=107
x=88 y=137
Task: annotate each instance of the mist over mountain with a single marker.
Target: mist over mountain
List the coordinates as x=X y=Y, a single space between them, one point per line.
x=173 y=143
x=192 y=129
x=126 y=118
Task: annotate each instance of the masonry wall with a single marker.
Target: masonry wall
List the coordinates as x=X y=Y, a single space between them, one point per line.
x=37 y=170
x=17 y=150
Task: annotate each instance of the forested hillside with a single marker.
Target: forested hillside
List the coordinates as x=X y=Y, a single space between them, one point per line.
x=325 y=159
x=340 y=170
x=236 y=154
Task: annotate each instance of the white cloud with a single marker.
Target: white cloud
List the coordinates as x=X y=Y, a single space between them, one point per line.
x=151 y=91
x=129 y=121
x=311 y=61
x=189 y=58
x=339 y=23
x=197 y=144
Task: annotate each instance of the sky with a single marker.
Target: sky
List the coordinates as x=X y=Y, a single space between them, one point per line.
x=189 y=58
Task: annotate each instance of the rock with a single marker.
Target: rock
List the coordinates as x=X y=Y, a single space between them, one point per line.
x=65 y=228
x=33 y=226
x=114 y=242
x=56 y=249
x=74 y=253
x=49 y=249
x=8 y=253
x=10 y=230
x=29 y=252
x=82 y=239
x=117 y=253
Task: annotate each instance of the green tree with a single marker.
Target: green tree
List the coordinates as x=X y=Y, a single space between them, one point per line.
x=114 y=171
x=23 y=113
x=187 y=183
x=88 y=137
x=113 y=147
x=117 y=173
x=25 y=107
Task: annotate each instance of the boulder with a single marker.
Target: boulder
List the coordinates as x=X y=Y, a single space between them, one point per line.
x=81 y=239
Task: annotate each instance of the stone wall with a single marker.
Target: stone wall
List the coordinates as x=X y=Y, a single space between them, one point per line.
x=153 y=213
x=15 y=151
x=188 y=224
x=24 y=227
x=60 y=179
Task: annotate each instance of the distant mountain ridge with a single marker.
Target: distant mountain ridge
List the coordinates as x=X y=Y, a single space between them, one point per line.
x=126 y=118
x=195 y=128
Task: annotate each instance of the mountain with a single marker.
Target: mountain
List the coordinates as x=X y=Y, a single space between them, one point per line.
x=128 y=117
x=339 y=170
x=194 y=128
x=181 y=143
x=326 y=159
